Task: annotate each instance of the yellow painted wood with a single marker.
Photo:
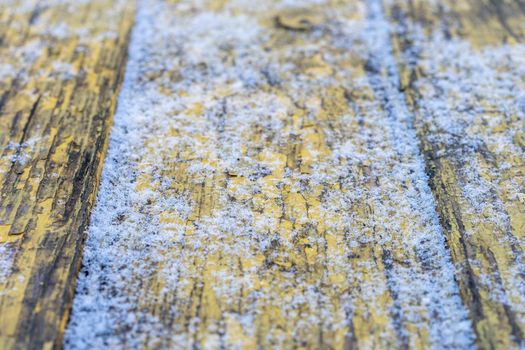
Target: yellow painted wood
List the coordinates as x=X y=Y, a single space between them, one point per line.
x=60 y=69
x=316 y=277
x=269 y=196
x=479 y=190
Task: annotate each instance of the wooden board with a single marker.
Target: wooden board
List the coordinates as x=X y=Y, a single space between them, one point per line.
x=461 y=65
x=266 y=184
x=60 y=70
x=264 y=189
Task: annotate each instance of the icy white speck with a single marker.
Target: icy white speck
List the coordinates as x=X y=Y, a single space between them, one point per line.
x=7 y=254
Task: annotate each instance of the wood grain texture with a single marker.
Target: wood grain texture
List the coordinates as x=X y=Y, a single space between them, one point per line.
x=60 y=70
x=263 y=189
x=461 y=66
x=265 y=185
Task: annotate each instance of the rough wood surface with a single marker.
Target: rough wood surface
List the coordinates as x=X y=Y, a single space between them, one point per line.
x=60 y=69
x=264 y=189
x=310 y=174
x=461 y=65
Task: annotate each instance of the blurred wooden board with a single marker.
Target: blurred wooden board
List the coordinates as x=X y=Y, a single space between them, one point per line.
x=60 y=70
x=461 y=66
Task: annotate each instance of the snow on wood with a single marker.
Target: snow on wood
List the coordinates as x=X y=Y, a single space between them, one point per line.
x=465 y=81
x=61 y=63
x=264 y=188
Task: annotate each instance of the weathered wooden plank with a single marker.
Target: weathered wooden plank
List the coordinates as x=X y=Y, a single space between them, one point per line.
x=263 y=189
x=60 y=69
x=461 y=65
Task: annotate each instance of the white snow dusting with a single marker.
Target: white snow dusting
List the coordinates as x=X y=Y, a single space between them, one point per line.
x=182 y=58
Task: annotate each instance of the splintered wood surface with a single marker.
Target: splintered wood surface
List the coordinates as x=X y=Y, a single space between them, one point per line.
x=295 y=174
x=61 y=64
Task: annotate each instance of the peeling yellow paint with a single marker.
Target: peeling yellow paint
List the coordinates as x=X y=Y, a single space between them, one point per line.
x=63 y=68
